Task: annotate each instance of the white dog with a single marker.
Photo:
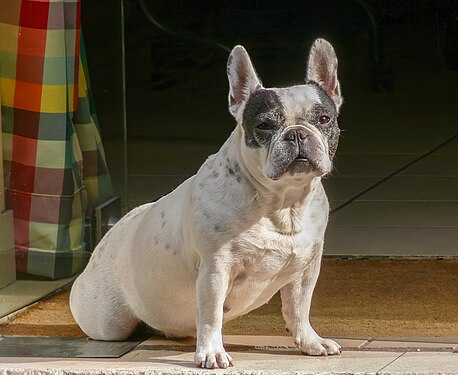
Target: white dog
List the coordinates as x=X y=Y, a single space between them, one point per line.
x=251 y=222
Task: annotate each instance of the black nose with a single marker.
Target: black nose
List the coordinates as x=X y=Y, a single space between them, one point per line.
x=295 y=134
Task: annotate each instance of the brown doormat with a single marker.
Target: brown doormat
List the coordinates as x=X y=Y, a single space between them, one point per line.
x=354 y=297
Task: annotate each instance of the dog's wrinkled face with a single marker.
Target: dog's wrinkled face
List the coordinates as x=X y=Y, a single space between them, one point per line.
x=294 y=129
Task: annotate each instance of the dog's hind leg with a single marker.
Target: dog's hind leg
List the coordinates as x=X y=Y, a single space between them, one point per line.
x=101 y=314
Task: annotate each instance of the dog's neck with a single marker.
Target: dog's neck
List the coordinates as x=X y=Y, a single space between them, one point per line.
x=285 y=208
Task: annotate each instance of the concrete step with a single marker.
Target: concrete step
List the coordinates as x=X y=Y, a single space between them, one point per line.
x=260 y=355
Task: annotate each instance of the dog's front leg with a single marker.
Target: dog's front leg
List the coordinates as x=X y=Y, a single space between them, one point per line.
x=296 y=301
x=211 y=289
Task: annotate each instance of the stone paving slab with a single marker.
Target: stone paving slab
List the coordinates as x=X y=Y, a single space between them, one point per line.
x=259 y=355
x=175 y=362
x=155 y=362
x=423 y=363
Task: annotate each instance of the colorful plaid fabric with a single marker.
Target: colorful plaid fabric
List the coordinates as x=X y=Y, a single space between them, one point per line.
x=55 y=167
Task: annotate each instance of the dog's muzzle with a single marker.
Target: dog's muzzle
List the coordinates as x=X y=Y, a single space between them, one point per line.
x=299 y=150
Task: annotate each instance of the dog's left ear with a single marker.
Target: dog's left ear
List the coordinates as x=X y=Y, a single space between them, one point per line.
x=322 y=68
x=242 y=80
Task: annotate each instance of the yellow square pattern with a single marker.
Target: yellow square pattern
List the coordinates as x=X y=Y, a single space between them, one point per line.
x=88 y=136
x=55 y=43
x=54 y=98
x=82 y=84
x=8 y=37
x=46 y=154
x=76 y=230
x=7 y=88
x=77 y=153
x=92 y=188
x=43 y=236
x=60 y=43
x=7 y=146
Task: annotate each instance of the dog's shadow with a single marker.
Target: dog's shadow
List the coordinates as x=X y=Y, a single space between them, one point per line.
x=164 y=357
x=174 y=362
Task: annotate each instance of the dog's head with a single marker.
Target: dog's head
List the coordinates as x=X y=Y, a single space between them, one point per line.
x=294 y=130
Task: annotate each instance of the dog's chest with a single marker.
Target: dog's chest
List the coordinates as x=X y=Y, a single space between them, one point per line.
x=264 y=262
x=263 y=253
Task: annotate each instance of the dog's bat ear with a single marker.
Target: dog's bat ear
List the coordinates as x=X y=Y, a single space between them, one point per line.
x=242 y=80
x=322 y=69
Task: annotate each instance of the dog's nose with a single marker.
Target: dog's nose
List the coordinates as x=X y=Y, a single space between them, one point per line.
x=295 y=134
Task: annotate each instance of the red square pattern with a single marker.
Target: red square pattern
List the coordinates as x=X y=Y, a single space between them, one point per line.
x=34 y=14
x=21 y=205
x=24 y=151
x=26 y=123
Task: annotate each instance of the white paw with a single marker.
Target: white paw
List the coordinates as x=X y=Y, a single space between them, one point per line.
x=213 y=359
x=319 y=346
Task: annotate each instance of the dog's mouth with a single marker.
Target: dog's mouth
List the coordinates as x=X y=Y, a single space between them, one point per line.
x=301 y=164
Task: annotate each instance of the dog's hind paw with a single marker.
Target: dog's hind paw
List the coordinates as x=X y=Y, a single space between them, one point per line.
x=213 y=359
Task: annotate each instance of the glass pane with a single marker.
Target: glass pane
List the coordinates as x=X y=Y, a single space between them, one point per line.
x=176 y=53
x=393 y=191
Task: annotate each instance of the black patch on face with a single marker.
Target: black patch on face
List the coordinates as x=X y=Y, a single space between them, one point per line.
x=327 y=107
x=263 y=106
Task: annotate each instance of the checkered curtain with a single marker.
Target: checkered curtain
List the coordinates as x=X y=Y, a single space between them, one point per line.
x=55 y=167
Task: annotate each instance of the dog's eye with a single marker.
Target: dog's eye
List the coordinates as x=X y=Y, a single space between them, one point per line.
x=323 y=120
x=264 y=126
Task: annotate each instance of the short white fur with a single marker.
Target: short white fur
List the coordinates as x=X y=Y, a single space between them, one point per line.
x=218 y=246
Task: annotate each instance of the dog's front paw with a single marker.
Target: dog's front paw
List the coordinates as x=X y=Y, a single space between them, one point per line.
x=318 y=346
x=213 y=359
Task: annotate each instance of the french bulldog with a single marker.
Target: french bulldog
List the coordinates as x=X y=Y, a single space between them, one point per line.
x=248 y=224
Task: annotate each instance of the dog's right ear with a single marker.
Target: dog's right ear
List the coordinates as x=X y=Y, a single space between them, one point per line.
x=242 y=80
